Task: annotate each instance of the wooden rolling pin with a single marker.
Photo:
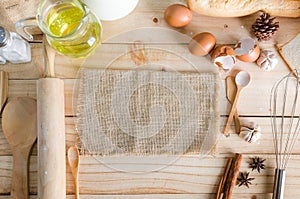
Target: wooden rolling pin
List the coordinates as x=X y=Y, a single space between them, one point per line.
x=51 y=139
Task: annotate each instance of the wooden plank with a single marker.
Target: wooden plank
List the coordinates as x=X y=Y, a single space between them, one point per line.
x=71 y=138
x=119 y=57
x=236 y=27
x=28 y=88
x=156 y=56
x=68 y=68
x=259 y=98
x=142 y=17
x=187 y=175
x=225 y=145
x=130 y=56
x=146 y=11
x=164 y=196
x=226 y=30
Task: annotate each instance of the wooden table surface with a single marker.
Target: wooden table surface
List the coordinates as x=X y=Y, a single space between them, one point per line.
x=189 y=177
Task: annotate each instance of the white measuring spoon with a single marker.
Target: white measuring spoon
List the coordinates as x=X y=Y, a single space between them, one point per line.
x=242 y=79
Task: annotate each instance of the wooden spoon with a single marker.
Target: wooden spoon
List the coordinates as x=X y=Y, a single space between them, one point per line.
x=19 y=124
x=242 y=79
x=231 y=92
x=73 y=159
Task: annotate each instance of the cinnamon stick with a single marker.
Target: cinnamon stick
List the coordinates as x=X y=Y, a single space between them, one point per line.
x=232 y=176
x=223 y=179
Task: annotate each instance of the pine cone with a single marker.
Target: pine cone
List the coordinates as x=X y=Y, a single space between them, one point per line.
x=265 y=27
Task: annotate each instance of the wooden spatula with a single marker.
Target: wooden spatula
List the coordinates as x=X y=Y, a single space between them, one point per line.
x=19 y=123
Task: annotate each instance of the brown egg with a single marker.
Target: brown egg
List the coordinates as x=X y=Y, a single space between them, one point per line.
x=202 y=43
x=178 y=15
x=247 y=50
x=224 y=57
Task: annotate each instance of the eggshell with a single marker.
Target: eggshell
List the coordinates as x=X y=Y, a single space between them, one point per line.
x=202 y=43
x=224 y=57
x=178 y=15
x=247 y=50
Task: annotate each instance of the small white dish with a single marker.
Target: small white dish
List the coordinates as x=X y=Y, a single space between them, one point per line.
x=109 y=10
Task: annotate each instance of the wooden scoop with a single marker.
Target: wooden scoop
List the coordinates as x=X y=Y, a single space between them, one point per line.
x=73 y=159
x=19 y=124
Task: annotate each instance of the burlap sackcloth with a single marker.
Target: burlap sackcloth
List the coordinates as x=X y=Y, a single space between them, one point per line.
x=13 y=10
x=146 y=112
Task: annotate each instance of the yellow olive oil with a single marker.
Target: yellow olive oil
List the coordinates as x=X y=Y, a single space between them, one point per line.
x=73 y=32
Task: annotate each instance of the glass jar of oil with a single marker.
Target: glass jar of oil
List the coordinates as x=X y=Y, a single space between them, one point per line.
x=69 y=25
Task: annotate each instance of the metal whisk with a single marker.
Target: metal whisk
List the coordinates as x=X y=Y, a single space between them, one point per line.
x=285 y=125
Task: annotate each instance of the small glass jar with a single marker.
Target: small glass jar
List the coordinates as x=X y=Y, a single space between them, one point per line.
x=13 y=48
x=70 y=27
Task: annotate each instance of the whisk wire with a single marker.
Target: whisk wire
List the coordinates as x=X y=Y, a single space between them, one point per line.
x=277 y=129
x=283 y=121
x=284 y=137
x=293 y=136
x=285 y=125
x=282 y=132
x=273 y=119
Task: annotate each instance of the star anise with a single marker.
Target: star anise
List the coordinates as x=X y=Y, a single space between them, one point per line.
x=257 y=164
x=244 y=179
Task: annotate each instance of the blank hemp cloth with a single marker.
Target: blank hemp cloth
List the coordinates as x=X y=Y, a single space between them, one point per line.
x=145 y=113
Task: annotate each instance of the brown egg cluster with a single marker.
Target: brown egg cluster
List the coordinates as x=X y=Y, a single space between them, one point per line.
x=223 y=56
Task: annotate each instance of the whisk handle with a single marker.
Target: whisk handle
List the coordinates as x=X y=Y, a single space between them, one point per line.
x=279 y=182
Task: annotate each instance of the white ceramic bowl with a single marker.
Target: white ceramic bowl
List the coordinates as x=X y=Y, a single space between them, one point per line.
x=108 y=10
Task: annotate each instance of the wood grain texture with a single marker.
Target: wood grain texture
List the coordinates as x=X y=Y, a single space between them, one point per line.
x=251 y=93
x=159 y=196
x=232 y=144
x=188 y=177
